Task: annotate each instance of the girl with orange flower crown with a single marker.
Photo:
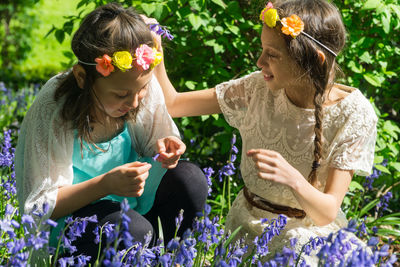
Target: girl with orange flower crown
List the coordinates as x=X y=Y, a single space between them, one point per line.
x=304 y=136
x=89 y=139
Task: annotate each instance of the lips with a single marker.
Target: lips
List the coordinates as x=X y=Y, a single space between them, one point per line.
x=268 y=77
x=123 y=110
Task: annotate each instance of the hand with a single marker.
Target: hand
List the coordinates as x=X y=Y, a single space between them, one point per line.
x=127 y=180
x=157 y=37
x=273 y=167
x=170 y=149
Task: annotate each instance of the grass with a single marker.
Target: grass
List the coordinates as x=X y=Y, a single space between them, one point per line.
x=47 y=52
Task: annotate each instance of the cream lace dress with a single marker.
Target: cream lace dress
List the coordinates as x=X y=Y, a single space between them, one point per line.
x=267 y=119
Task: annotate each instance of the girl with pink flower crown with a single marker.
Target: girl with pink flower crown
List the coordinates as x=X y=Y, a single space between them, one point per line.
x=304 y=136
x=89 y=139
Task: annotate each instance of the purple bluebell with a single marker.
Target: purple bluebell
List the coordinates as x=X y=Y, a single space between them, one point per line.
x=179 y=219
x=208 y=172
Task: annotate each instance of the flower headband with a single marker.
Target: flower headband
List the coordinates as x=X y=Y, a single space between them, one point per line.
x=292 y=25
x=144 y=56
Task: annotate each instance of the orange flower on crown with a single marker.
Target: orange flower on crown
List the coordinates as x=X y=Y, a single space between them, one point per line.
x=292 y=25
x=104 y=65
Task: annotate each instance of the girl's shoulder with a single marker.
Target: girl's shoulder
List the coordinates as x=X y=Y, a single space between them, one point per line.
x=353 y=105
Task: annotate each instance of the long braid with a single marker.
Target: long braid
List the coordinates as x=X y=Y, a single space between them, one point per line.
x=318 y=101
x=321 y=20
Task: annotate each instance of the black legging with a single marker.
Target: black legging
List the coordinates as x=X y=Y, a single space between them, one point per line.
x=184 y=187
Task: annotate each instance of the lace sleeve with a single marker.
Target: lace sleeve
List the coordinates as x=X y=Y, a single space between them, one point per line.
x=234 y=97
x=153 y=122
x=356 y=146
x=43 y=155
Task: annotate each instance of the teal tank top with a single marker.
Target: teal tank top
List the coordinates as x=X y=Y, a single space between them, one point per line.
x=118 y=151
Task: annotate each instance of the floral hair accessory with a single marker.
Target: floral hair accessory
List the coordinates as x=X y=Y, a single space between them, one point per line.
x=292 y=25
x=145 y=57
x=269 y=15
x=104 y=65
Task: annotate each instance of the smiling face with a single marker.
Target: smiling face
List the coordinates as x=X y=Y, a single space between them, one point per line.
x=279 y=69
x=121 y=92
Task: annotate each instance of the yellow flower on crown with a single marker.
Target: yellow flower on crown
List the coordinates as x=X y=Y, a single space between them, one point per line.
x=271 y=17
x=157 y=58
x=123 y=60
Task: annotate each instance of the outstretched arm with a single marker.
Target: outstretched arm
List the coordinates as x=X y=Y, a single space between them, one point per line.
x=195 y=103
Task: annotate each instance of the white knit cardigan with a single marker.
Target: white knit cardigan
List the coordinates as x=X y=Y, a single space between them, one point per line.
x=45 y=144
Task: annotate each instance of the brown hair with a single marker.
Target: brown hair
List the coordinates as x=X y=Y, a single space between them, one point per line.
x=323 y=21
x=105 y=30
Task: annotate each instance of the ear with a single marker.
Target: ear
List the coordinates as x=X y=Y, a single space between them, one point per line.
x=80 y=75
x=321 y=57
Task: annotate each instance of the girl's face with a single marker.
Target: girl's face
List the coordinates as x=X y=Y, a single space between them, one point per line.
x=279 y=69
x=122 y=91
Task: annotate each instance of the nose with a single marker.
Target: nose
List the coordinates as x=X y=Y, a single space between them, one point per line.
x=262 y=62
x=133 y=101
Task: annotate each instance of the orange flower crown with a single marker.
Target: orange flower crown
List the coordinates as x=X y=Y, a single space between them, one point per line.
x=292 y=25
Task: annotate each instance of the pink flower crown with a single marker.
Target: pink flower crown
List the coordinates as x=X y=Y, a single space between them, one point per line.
x=292 y=25
x=145 y=57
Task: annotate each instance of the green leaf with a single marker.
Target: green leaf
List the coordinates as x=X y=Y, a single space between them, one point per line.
x=196 y=4
x=232 y=236
x=366 y=57
x=204 y=117
x=385 y=18
x=234 y=10
x=148 y=8
x=158 y=12
x=386 y=232
x=372 y=79
x=378 y=159
x=68 y=27
x=382 y=169
x=195 y=21
x=60 y=35
x=355 y=67
x=220 y=3
x=367 y=207
x=396 y=9
x=355 y=185
x=234 y=29
x=395 y=165
x=371 y=4
x=190 y=84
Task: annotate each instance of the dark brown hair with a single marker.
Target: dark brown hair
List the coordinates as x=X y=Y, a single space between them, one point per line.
x=105 y=30
x=322 y=20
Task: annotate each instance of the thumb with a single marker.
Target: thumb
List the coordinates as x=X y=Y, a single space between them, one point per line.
x=161 y=145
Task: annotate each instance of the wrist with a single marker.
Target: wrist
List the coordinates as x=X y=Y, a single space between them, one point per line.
x=101 y=184
x=298 y=183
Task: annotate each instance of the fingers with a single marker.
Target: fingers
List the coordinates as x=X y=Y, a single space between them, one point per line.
x=170 y=147
x=148 y=20
x=136 y=169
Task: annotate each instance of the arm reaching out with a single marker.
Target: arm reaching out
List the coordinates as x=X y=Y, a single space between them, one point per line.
x=196 y=103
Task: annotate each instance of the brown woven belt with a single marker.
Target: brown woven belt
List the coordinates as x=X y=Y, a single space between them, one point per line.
x=274 y=208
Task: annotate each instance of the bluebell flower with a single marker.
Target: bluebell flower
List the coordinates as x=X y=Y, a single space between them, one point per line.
x=179 y=219
x=82 y=260
x=165 y=260
x=208 y=172
x=66 y=261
